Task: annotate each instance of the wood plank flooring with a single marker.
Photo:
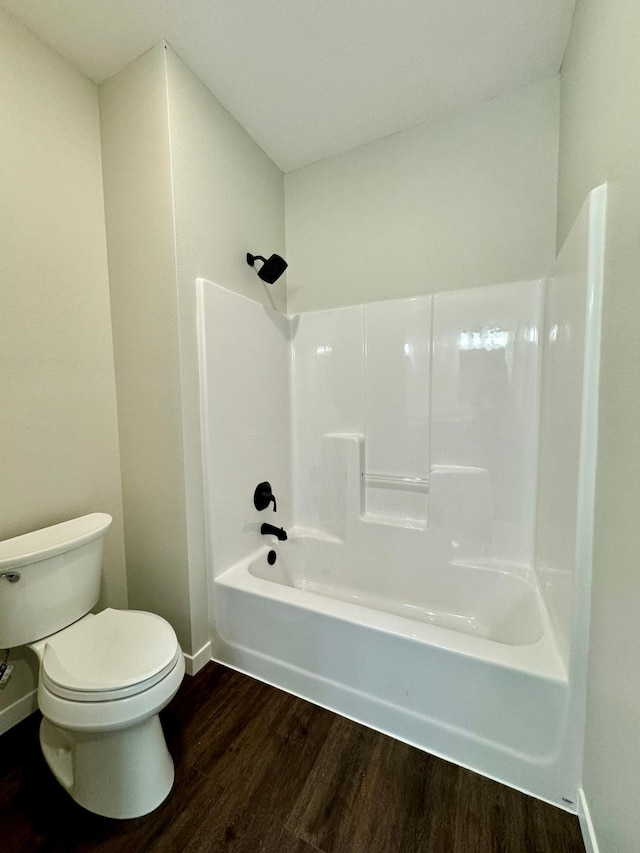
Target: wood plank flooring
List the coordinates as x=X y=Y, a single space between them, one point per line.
x=259 y=771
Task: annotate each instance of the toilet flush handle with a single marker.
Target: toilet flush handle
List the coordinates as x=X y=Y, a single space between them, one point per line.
x=12 y=577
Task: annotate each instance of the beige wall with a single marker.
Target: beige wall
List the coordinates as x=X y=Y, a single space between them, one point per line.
x=600 y=140
x=139 y=215
x=229 y=196
x=187 y=194
x=228 y=200
x=58 y=431
x=468 y=201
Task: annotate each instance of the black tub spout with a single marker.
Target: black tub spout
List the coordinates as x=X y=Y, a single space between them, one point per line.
x=280 y=532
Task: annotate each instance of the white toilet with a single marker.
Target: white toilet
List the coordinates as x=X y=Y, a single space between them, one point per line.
x=103 y=678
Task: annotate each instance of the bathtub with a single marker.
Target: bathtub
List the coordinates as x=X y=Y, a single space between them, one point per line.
x=468 y=670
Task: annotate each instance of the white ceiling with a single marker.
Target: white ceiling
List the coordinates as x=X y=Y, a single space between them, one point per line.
x=310 y=78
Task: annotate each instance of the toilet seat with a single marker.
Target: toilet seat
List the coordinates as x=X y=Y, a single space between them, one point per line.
x=104 y=716
x=109 y=656
x=108 y=695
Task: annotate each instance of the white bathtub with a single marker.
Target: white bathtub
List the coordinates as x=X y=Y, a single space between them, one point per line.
x=468 y=671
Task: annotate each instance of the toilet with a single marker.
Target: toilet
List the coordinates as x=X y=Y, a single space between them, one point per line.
x=104 y=677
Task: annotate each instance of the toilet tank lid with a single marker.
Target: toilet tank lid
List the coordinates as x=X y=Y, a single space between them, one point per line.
x=50 y=541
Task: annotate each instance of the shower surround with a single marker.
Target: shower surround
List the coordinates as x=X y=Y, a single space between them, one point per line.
x=433 y=460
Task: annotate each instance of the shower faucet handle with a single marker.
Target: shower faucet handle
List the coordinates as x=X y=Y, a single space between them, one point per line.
x=263 y=496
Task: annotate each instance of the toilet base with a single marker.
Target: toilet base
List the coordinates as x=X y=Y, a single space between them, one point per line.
x=120 y=774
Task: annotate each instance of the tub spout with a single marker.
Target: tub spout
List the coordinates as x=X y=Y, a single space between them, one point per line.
x=280 y=532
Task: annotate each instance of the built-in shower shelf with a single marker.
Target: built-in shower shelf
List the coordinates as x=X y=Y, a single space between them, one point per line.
x=394 y=521
x=388 y=481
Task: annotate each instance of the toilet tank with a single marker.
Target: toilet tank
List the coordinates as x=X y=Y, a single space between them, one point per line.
x=59 y=571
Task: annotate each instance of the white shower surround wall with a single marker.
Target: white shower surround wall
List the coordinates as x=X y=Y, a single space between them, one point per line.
x=443 y=390
x=413 y=606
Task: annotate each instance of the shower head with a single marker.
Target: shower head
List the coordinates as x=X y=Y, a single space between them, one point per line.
x=271 y=269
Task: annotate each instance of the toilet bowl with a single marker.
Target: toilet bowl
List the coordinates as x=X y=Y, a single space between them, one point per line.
x=104 y=677
x=103 y=681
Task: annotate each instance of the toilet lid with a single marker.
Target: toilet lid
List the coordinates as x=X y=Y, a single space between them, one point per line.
x=113 y=650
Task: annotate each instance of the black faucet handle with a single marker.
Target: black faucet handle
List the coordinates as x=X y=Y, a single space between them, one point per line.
x=263 y=496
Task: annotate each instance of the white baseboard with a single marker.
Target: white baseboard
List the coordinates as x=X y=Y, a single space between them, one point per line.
x=18 y=711
x=194 y=663
x=586 y=825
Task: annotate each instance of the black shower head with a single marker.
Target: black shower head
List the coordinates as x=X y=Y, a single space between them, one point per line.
x=271 y=269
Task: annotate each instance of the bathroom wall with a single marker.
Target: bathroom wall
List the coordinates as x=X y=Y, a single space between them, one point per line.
x=245 y=419
x=600 y=140
x=140 y=235
x=442 y=391
x=228 y=195
x=433 y=399
x=327 y=397
x=59 y=453
x=569 y=342
x=465 y=202
x=484 y=402
x=461 y=369
x=228 y=200
x=188 y=194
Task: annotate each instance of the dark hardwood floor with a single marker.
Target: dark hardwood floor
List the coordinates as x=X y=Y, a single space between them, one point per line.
x=259 y=770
